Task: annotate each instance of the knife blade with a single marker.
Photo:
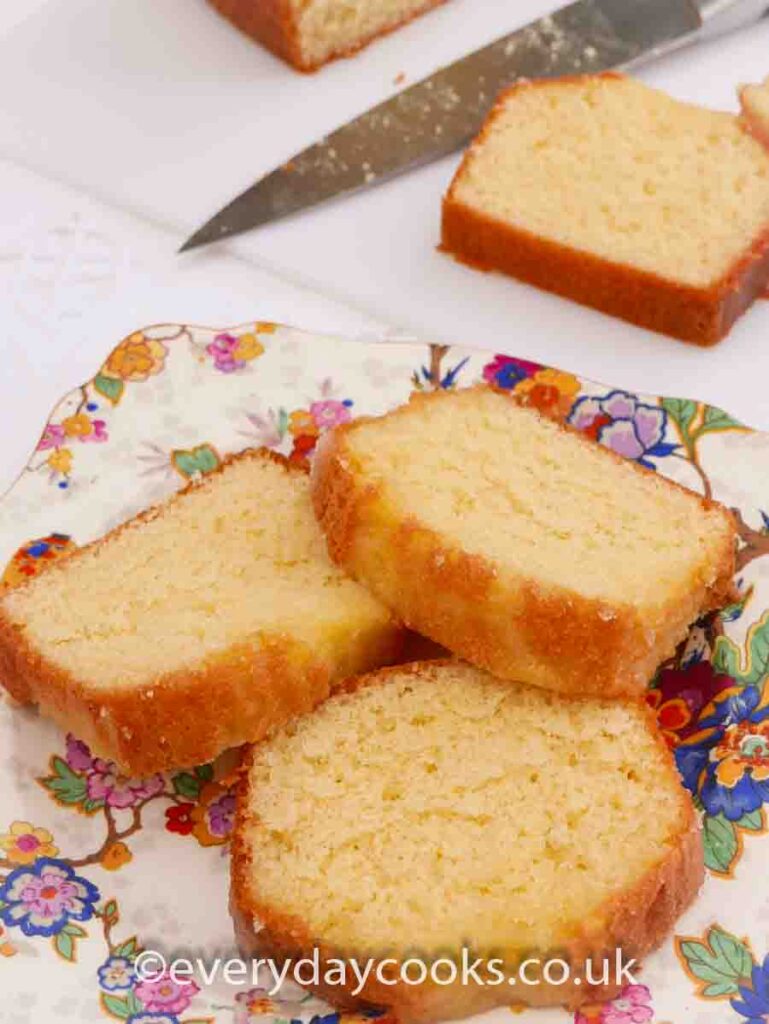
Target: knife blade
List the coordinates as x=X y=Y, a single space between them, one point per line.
x=442 y=113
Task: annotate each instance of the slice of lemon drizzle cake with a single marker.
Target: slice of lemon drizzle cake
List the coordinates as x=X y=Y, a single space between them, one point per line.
x=519 y=544
x=198 y=625
x=618 y=196
x=430 y=808
x=308 y=33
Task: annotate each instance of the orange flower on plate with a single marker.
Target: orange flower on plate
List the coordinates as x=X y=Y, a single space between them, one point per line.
x=6 y=948
x=261 y=1004
x=213 y=814
x=60 y=461
x=34 y=556
x=248 y=347
x=302 y=424
x=78 y=425
x=552 y=392
x=137 y=358
x=673 y=715
x=24 y=843
x=115 y=856
x=590 y=1014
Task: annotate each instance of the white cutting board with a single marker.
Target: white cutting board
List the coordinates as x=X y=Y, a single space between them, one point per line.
x=161 y=107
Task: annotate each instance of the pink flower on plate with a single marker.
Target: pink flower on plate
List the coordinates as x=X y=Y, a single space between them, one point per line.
x=164 y=995
x=98 y=432
x=330 y=413
x=632 y=1006
x=222 y=348
x=78 y=755
x=53 y=437
x=104 y=783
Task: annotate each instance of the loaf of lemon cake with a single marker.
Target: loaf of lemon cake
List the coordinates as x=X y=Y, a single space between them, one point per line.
x=620 y=197
x=308 y=33
x=754 y=100
x=198 y=625
x=430 y=808
x=523 y=546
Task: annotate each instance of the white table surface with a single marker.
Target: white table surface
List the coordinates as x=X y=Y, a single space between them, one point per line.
x=125 y=123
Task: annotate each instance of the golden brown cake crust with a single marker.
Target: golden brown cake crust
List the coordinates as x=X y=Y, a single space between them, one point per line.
x=635 y=921
x=272 y=23
x=553 y=638
x=752 y=119
x=187 y=718
x=700 y=315
x=269 y=22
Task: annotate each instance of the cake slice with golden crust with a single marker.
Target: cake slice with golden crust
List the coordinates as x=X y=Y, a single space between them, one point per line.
x=519 y=544
x=620 y=197
x=309 y=33
x=754 y=100
x=198 y=625
x=431 y=808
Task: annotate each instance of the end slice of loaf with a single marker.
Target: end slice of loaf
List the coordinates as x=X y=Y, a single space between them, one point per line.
x=431 y=807
x=754 y=100
x=520 y=545
x=198 y=625
x=616 y=195
x=309 y=33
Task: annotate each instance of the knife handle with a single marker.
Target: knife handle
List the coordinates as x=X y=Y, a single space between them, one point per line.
x=720 y=16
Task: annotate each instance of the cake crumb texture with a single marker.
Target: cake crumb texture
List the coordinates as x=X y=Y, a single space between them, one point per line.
x=309 y=33
x=194 y=625
x=617 y=195
x=433 y=807
x=521 y=545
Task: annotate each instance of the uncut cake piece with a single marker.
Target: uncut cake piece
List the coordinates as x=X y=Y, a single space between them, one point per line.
x=198 y=625
x=308 y=33
x=431 y=808
x=519 y=544
x=620 y=197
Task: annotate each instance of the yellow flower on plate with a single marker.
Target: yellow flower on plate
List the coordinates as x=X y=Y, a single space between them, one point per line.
x=551 y=391
x=60 y=461
x=136 y=358
x=115 y=856
x=301 y=424
x=24 y=843
x=247 y=348
x=78 y=425
x=261 y=1005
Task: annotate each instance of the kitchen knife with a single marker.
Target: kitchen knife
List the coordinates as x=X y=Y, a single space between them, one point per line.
x=443 y=112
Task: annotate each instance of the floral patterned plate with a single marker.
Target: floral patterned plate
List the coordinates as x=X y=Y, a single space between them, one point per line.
x=95 y=867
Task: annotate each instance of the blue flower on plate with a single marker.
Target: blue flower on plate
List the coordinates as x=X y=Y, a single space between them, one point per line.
x=152 y=1018
x=753 y=1003
x=116 y=974
x=42 y=897
x=507 y=371
x=726 y=761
